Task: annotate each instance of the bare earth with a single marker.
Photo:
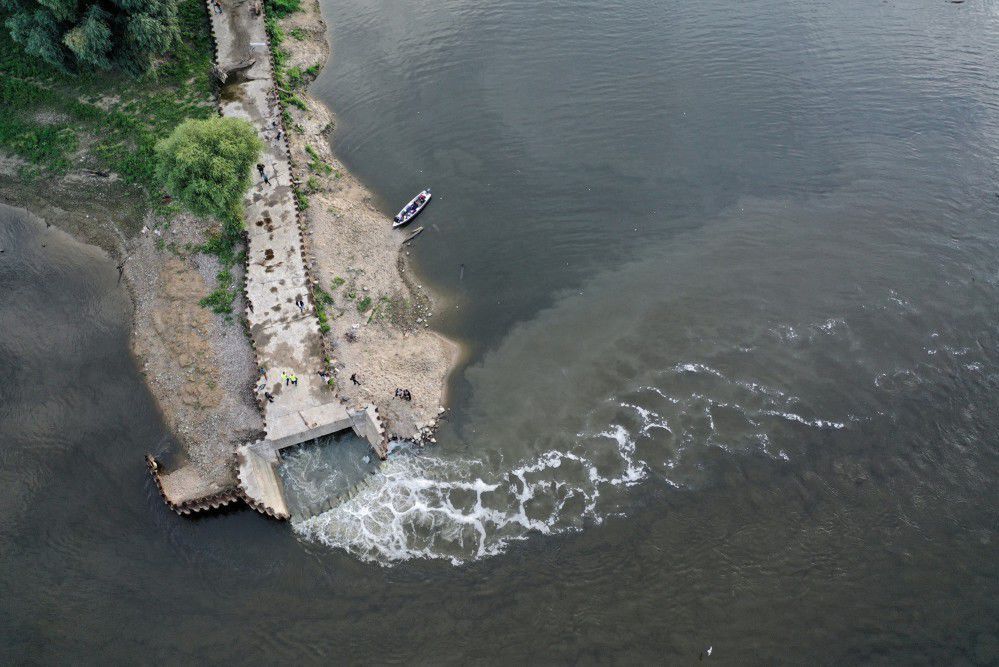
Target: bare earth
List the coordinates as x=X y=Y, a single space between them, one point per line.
x=200 y=367
x=352 y=241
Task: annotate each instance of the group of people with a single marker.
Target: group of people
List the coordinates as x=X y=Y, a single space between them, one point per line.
x=263 y=173
x=278 y=131
x=217 y=6
x=411 y=209
x=290 y=379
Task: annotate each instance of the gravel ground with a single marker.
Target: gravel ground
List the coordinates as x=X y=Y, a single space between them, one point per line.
x=199 y=366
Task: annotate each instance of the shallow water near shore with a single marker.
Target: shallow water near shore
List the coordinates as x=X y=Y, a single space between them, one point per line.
x=727 y=274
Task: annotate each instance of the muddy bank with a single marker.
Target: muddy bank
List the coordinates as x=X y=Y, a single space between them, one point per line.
x=379 y=314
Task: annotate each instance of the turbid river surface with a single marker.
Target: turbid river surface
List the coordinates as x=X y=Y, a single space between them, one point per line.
x=728 y=276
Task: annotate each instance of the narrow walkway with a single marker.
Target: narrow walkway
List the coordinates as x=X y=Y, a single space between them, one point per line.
x=286 y=338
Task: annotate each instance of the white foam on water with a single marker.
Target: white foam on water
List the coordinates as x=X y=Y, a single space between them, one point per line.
x=661 y=393
x=424 y=506
x=650 y=418
x=816 y=423
x=830 y=325
x=694 y=367
x=421 y=506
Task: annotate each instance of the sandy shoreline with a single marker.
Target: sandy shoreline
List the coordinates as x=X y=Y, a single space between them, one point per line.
x=351 y=241
x=200 y=367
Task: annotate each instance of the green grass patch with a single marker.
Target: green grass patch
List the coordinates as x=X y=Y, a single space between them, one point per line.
x=282 y=8
x=364 y=304
x=301 y=199
x=322 y=299
x=225 y=245
x=316 y=163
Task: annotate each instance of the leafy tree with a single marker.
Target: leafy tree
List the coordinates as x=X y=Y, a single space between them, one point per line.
x=93 y=34
x=207 y=164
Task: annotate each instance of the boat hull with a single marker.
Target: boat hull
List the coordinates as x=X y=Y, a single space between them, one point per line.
x=403 y=218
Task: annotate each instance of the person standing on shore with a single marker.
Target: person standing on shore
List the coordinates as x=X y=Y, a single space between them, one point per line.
x=353 y=378
x=263 y=173
x=294 y=380
x=285 y=377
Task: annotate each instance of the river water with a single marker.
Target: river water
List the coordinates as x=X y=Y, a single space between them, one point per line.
x=727 y=274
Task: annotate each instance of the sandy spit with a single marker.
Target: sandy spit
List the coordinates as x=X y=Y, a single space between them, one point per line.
x=380 y=313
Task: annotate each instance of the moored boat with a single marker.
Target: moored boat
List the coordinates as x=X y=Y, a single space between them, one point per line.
x=412 y=209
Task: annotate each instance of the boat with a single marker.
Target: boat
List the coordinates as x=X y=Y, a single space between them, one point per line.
x=412 y=209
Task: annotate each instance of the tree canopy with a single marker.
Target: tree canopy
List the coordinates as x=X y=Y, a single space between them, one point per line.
x=207 y=164
x=93 y=34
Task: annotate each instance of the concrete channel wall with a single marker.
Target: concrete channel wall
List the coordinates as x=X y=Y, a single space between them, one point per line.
x=286 y=338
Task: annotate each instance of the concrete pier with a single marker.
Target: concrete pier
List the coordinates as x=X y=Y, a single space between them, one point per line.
x=285 y=337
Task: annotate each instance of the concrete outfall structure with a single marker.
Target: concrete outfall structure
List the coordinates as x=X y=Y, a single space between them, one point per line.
x=285 y=337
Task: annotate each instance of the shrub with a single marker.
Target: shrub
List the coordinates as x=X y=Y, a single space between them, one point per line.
x=281 y=8
x=207 y=164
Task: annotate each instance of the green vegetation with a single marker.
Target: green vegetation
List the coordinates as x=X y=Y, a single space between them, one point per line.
x=84 y=35
x=364 y=304
x=301 y=200
x=220 y=301
x=286 y=79
x=316 y=164
x=338 y=281
x=294 y=77
x=207 y=164
x=111 y=121
x=322 y=299
x=382 y=309
x=105 y=121
x=282 y=8
x=298 y=34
